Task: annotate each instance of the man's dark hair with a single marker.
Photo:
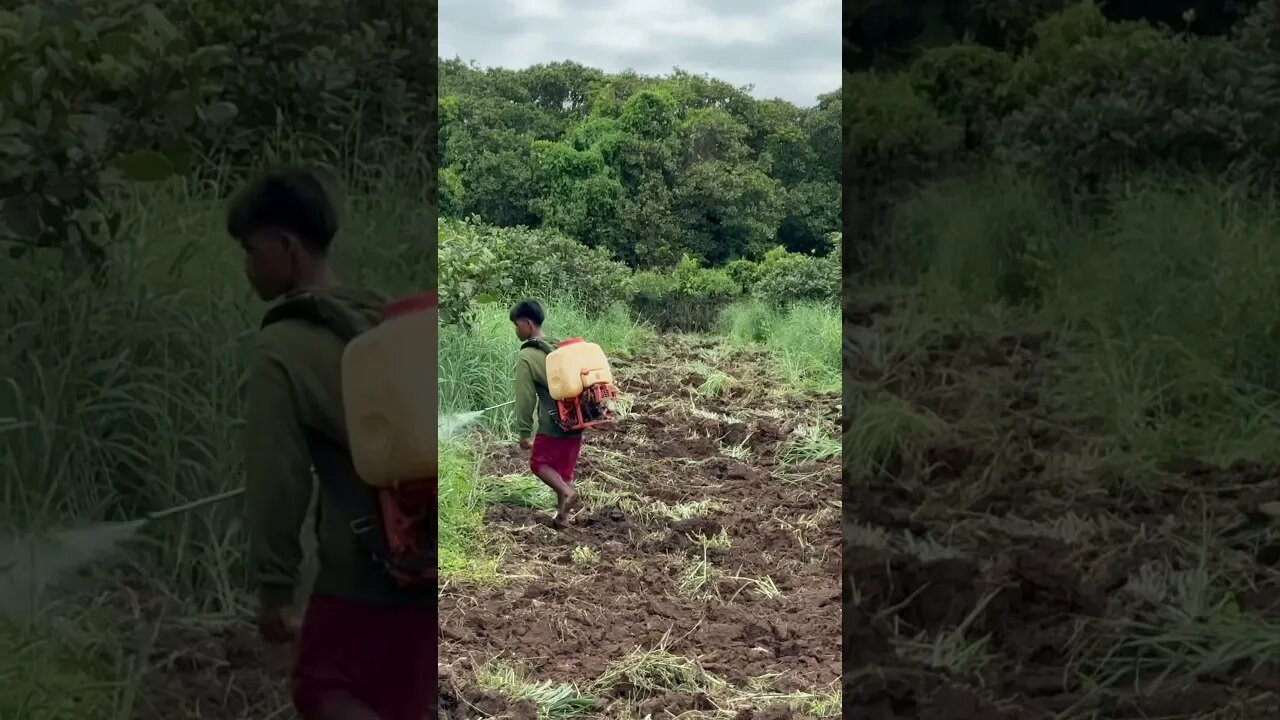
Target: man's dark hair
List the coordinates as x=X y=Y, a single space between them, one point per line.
x=528 y=310
x=292 y=200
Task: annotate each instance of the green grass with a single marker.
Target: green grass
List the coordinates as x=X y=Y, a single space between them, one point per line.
x=1176 y=289
x=46 y=674
x=804 y=338
x=460 y=530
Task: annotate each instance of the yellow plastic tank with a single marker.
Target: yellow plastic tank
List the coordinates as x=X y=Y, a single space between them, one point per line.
x=390 y=395
x=574 y=366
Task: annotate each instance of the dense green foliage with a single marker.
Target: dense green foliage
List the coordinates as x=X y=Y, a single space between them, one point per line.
x=676 y=196
x=649 y=169
x=883 y=33
x=100 y=92
x=1082 y=101
x=481 y=264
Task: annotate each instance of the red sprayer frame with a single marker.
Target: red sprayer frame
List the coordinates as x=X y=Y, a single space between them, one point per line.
x=406 y=506
x=571 y=414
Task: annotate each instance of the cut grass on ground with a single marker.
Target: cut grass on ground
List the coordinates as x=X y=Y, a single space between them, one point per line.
x=667 y=497
x=651 y=672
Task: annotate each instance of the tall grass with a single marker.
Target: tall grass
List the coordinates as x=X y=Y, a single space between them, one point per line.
x=804 y=338
x=127 y=398
x=124 y=399
x=459 y=534
x=1173 y=282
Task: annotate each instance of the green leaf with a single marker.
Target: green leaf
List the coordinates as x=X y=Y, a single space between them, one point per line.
x=146 y=166
x=220 y=113
x=38 y=78
x=43 y=117
x=30 y=21
x=485 y=299
x=63 y=187
x=157 y=21
x=117 y=44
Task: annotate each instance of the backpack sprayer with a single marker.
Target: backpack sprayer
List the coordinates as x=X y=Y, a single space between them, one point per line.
x=581 y=382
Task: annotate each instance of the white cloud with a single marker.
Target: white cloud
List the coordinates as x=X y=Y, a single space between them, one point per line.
x=787 y=48
x=539 y=9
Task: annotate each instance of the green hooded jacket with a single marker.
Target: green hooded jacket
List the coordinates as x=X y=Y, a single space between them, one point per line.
x=535 y=410
x=295 y=401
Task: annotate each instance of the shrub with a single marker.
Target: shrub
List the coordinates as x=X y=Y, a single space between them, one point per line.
x=690 y=298
x=705 y=283
x=889 y=127
x=744 y=272
x=101 y=91
x=1106 y=98
x=482 y=263
x=469 y=270
x=95 y=93
x=546 y=263
x=785 y=278
x=651 y=286
x=967 y=86
x=346 y=78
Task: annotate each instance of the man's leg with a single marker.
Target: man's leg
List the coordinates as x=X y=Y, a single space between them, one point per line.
x=546 y=457
x=568 y=464
x=566 y=494
x=409 y=679
x=333 y=653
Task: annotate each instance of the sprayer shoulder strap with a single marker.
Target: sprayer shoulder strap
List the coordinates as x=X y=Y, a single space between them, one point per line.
x=318 y=310
x=332 y=460
x=359 y=501
x=538 y=344
x=541 y=345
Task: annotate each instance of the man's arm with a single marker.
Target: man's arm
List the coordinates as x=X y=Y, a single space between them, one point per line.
x=277 y=480
x=526 y=399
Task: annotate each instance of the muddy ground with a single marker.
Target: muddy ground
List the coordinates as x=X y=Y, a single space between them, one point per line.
x=765 y=621
x=1008 y=558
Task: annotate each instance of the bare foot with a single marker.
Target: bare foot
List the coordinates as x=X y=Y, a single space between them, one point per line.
x=567 y=508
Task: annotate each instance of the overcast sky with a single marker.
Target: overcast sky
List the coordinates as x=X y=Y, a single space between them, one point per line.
x=785 y=48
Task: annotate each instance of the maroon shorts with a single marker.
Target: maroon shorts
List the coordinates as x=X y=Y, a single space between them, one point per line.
x=558 y=453
x=384 y=657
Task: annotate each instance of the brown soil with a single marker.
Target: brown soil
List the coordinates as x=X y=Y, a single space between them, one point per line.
x=571 y=623
x=184 y=665
x=1019 y=443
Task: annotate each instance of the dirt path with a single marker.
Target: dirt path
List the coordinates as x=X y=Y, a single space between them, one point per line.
x=702 y=575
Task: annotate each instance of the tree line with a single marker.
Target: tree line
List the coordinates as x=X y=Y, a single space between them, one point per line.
x=1075 y=94
x=650 y=169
